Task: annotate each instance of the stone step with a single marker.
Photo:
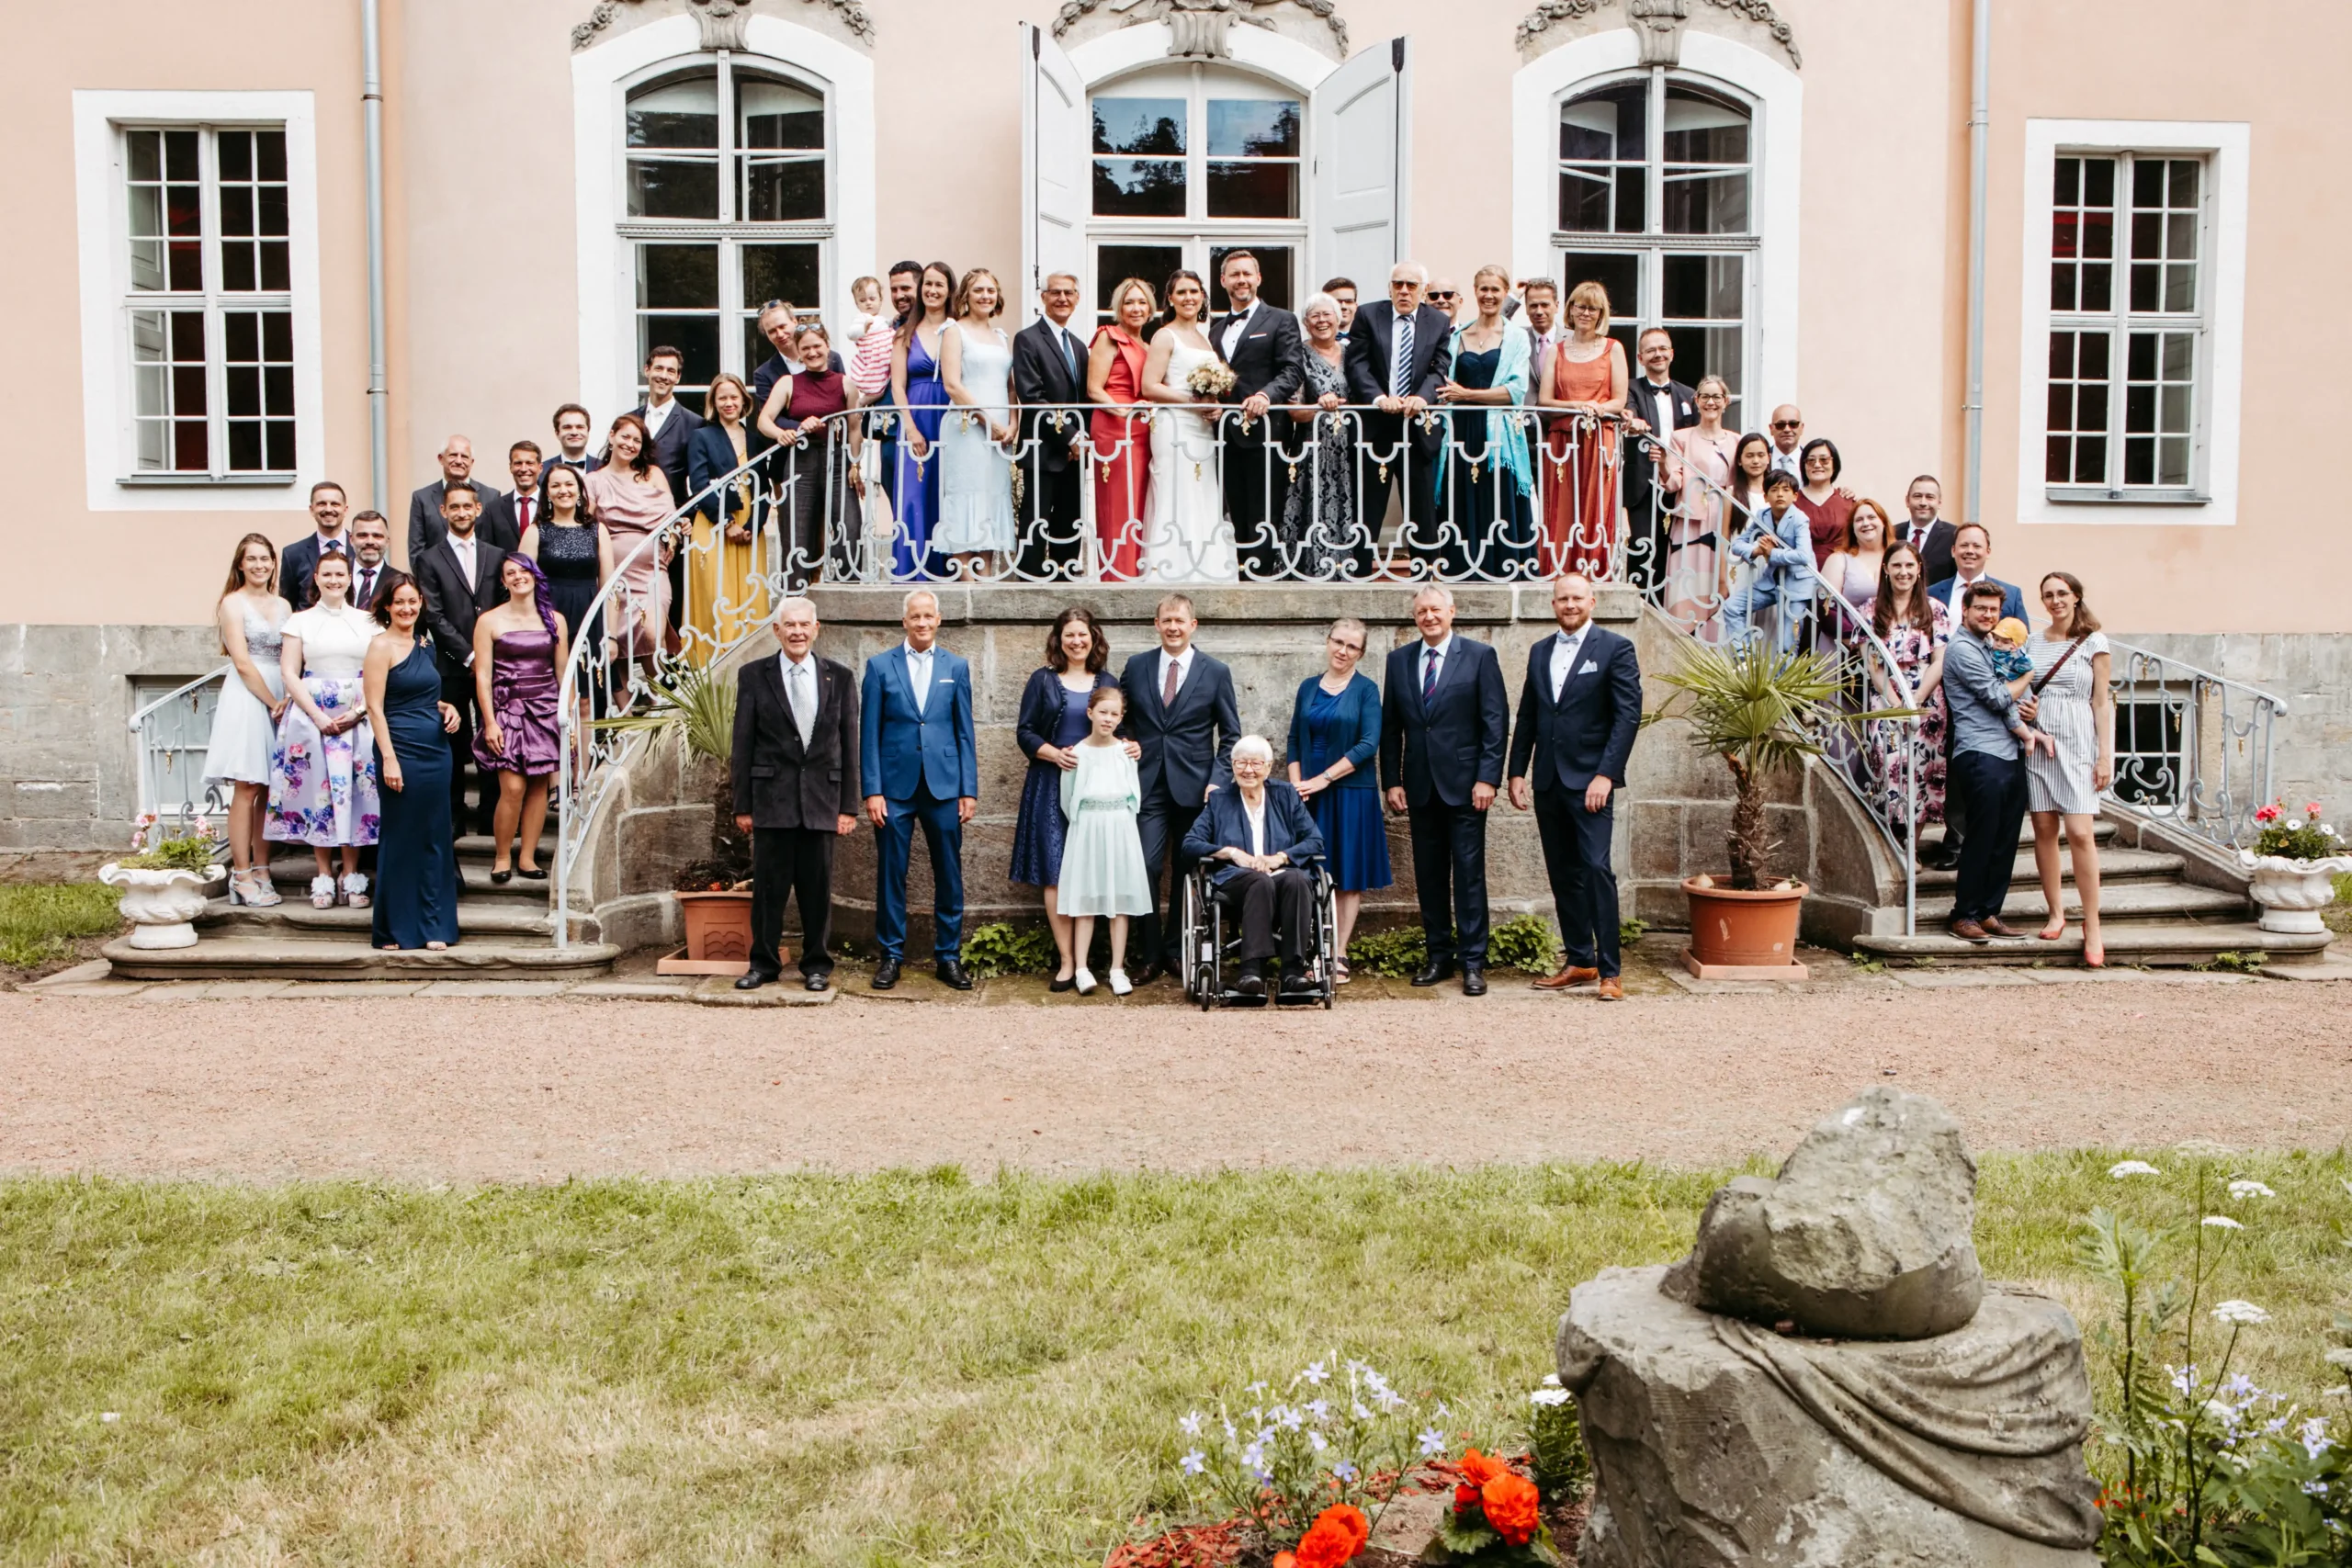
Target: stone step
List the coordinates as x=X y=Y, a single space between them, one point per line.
x=2171 y=902
x=2153 y=945
x=507 y=918
x=473 y=878
x=2114 y=865
x=2103 y=831
x=265 y=958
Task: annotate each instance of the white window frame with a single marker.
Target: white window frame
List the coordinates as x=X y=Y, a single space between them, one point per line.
x=112 y=478
x=2212 y=500
x=1776 y=136
x=601 y=79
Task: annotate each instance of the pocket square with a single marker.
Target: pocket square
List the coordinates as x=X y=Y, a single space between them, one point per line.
x=1587 y=667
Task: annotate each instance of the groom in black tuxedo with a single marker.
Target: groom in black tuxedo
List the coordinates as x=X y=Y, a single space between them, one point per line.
x=1261 y=342
x=1579 y=712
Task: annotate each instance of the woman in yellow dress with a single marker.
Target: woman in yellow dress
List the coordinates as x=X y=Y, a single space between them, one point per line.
x=726 y=597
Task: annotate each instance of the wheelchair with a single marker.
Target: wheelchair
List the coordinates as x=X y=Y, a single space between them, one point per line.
x=1211 y=939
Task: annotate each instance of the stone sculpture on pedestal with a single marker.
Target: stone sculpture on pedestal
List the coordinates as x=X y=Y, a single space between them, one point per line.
x=1828 y=1380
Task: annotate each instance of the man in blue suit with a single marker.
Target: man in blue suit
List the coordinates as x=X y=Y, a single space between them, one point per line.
x=1971 y=550
x=922 y=764
x=1577 y=714
x=1444 y=720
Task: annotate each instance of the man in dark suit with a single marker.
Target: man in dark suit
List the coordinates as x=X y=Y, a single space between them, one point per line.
x=1579 y=712
x=1399 y=353
x=920 y=763
x=1049 y=367
x=1972 y=553
x=1183 y=720
x=456 y=460
x=1261 y=342
x=1930 y=534
x=795 y=769
x=570 y=444
x=460 y=580
x=670 y=425
x=1444 y=722
x=327 y=536
x=1656 y=405
x=506 y=518
x=371 y=551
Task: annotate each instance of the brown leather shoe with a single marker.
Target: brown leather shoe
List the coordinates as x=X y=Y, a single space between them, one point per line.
x=1968 y=931
x=1613 y=990
x=1994 y=927
x=1569 y=975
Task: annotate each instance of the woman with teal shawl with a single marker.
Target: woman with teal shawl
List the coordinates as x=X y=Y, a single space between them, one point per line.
x=1483 y=473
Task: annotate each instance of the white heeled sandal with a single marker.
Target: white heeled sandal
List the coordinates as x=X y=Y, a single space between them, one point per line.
x=354 y=890
x=323 y=892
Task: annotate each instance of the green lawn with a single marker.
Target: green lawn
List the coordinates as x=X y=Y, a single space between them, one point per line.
x=904 y=1369
x=41 y=922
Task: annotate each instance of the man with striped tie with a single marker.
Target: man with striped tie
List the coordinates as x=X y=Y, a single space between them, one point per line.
x=1399 y=353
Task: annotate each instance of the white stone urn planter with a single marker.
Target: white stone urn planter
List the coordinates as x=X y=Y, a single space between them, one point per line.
x=161 y=904
x=2291 y=892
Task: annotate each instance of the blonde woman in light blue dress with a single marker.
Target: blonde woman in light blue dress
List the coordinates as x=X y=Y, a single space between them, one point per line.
x=1103 y=869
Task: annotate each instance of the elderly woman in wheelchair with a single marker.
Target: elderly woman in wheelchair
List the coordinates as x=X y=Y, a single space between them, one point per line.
x=1254 y=843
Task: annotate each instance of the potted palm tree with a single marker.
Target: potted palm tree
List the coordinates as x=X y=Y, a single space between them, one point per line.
x=1759 y=710
x=693 y=706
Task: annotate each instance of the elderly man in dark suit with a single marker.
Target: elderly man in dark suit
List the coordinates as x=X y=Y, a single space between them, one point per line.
x=1183 y=720
x=1261 y=342
x=456 y=460
x=1049 y=367
x=1656 y=405
x=1444 y=722
x=1400 y=351
x=795 y=769
x=459 y=578
x=1578 y=711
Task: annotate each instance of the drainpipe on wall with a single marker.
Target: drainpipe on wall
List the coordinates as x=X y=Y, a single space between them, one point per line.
x=1980 y=78
x=371 y=109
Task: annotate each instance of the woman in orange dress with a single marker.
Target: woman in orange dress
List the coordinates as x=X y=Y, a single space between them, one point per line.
x=1122 y=440
x=1586 y=376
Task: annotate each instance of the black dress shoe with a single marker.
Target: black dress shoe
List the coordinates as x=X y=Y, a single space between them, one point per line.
x=532 y=873
x=1295 y=987
x=1473 y=979
x=1433 y=972
x=951 y=974
x=501 y=878
x=1249 y=982
x=1068 y=983
x=1145 y=975
x=818 y=980
x=751 y=981
x=885 y=974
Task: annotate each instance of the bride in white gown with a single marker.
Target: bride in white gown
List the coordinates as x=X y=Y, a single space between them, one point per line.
x=1185 y=538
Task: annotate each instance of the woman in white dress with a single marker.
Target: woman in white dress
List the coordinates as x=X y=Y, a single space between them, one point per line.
x=2071 y=669
x=322 y=783
x=976 y=438
x=244 y=722
x=1185 y=538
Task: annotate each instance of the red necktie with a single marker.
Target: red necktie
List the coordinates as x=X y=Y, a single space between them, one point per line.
x=523 y=506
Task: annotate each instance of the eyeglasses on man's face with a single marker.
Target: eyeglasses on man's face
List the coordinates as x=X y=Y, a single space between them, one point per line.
x=1444 y=296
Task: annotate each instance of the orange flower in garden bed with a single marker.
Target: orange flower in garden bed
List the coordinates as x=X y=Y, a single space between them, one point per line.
x=1335 y=1537
x=1511 y=1504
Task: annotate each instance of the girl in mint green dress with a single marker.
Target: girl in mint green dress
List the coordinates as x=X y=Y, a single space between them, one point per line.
x=1103 y=869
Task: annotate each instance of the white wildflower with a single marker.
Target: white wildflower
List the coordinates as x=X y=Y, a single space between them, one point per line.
x=1318 y=1441
x=1345 y=1472
x=1319 y=1408
x=2221 y=1222
x=2313 y=1437
x=109 y=1416
x=1432 y=1443
x=2314 y=1488
x=2243 y=1189
x=1315 y=1373
x=1290 y=1417
x=1361 y=1413
x=1190 y=1425
x=1194 y=1463
x=2133 y=1167
x=2240 y=1314
x=1551 y=1380
x=1548 y=1396
x=2237 y=1385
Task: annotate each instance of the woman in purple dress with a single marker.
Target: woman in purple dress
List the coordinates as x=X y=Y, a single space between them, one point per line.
x=519 y=672
x=921 y=396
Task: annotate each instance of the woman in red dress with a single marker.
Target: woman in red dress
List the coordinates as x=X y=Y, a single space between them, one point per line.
x=1585 y=375
x=1122 y=440
x=1826 y=504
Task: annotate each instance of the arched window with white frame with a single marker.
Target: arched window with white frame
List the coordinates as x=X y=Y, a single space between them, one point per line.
x=731 y=196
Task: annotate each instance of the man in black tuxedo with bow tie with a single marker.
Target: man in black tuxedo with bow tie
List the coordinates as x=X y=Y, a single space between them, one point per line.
x=1049 y=367
x=1182 y=719
x=1656 y=405
x=459 y=576
x=1400 y=351
x=1578 y=713
x=1261 y=342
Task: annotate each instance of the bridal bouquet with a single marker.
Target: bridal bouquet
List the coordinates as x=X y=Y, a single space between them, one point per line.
x=1210 y=380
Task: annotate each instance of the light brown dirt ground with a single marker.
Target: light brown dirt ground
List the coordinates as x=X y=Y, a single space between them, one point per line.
x=480 y=1089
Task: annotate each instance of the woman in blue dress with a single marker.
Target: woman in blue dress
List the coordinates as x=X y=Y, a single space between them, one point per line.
x=1052 y=719
x=921 y=396
x=416 y=855
x=1334 y=735
x=1487 y=491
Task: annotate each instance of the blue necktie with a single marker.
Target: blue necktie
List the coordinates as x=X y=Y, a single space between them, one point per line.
x=1429 y=673
x=1069 y=353
x=1400 y=374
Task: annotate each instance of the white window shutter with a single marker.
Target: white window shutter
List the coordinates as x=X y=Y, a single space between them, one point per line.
x=1362 y=147
x=1055 y=136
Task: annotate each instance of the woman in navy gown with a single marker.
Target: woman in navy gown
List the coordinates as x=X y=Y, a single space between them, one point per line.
x=922 y=398
x=1052 y=719
x=416 y=855
x=1334 y=735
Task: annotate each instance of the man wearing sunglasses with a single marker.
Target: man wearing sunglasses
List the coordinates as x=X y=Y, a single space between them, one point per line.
x=1787 y=440
x=1400 y=354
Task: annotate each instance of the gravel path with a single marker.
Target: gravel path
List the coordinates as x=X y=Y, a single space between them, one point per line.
x=466 y=1090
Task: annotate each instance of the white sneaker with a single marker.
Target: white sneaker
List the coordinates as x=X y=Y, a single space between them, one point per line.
x=1085 y=978
x=1119 y=984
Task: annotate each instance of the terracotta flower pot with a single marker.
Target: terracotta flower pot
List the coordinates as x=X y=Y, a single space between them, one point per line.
x=1744 y=930
x=718 y=926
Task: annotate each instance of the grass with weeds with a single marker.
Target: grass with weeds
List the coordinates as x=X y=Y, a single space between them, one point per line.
x=910 y=1367
x=40 y=923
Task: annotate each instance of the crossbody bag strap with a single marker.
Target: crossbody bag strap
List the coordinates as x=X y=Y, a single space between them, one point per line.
x=2051 y=673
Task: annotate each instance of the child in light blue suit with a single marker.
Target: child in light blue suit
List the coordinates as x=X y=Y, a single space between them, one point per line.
x=1777 y=541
